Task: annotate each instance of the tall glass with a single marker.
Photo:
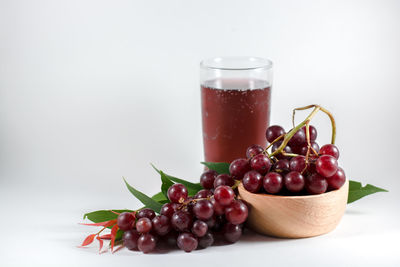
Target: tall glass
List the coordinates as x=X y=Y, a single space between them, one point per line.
x=235 y=105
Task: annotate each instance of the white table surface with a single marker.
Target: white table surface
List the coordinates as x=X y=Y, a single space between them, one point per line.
x=41 y=229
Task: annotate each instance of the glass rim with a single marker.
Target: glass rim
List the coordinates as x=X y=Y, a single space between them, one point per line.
x=243 y=63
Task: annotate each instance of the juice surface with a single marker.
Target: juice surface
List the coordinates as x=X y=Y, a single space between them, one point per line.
x=234 y=117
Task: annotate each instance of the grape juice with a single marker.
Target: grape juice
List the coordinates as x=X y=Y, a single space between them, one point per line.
x=235 y=115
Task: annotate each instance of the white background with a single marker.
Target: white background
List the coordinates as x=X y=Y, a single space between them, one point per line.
x=91 y=91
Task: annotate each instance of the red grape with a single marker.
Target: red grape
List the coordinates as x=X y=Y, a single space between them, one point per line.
x=274 y=132
x=130 y=238
x=203 y=209
x=181 y=220
x=224 y=195
x=161 y=224
x=316 y=184
x=329 y=149
x=298 y=139
x=206 y=240
x=313 y=132
x=207 y=179
x=286 y=149
x=168 y=209
x=199 y=228
x=253 y=150
x=337 y=180
x=261 y=163
x=232 y=232
x=143 y=225
x=218 y=208
x=177 y=193
x=326 y=165
x=294 y=181
x=297 y=163
x=236 y=212
x=146 y=213
x=146 y=243
x=252 y=181
x=238 y=168
x=304 y=148
x=204 y=193
x=187 y=242
x=223 y=179
x=126 y=221
x=273 y=182
x=282 y=165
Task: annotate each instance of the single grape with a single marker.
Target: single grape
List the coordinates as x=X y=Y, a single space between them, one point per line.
x=218 y=208
x=282 y=165
x=126 y=221
x=224 y=195
x=274 y=132
x=223 y=179
x=146 y=243
x=143 y=225
x=177 y=193
x=168 y=209
x=181 y=221
x=326 y=165
x=261 y=163
x=130 y=238
x=238 y=168
x=298 y=163
x=236 y=212
x=298 y=139
x=304 y=148
x=316 y=184
x=207 y=179
x=161 y=224
x=204 y=193
x=252 y=181
x=199 y=228
x=294 y=181
x=329 y=149
x=232 y=232
x=253 y=150
x=187 y=242
x=313 y=133
x=203 y=209
x=206 y=240
x=146 y=213
x=273 y=182
x=337 y=180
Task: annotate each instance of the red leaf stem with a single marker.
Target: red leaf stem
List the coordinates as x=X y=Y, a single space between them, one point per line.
x=100 y=243
x=88 y=240
x=113 y=235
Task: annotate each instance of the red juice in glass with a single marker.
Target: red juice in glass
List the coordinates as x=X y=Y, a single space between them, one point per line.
x=235 y=107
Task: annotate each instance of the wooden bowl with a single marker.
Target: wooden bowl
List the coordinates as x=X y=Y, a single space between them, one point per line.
x=295 y=216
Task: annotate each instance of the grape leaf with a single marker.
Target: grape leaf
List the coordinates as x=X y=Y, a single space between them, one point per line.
x=103 y=215
x=357 y=191
x=192 y=188
x=219 y=167
x=147 y=201
x=165 y=183
x=159 y=197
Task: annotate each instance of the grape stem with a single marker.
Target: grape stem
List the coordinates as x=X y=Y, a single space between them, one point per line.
x=306 y=122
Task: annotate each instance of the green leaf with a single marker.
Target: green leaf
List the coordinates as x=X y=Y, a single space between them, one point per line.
x=103 y=215
x=192 y=188
x=166 y=183
x=357 y=191
x=147 y=201
x=160 y=198
x=219 y=167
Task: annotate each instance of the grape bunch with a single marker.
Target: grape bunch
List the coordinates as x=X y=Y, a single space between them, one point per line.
x=301 y=167
x=188 y=222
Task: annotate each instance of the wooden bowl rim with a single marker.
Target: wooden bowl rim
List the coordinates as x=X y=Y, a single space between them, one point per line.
x=241 y=187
